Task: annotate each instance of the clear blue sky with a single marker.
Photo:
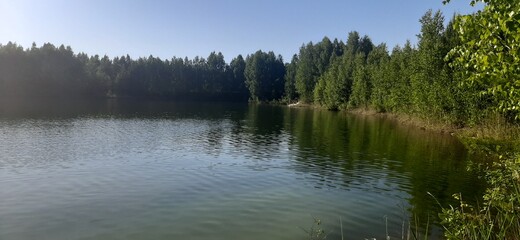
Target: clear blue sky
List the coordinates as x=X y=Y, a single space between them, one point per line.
x=197 y=27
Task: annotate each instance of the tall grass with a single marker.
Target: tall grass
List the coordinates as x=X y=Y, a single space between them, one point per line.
x=493 y=136
x=413 y=231
x=315 y=232
x=499 y=215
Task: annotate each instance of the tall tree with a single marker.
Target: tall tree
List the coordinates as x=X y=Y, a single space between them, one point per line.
x=306 y=73
x=377 y=63
x=264 y=75
x=238 y=66
x=290 y=79
x=489 y=53
x=429 y=64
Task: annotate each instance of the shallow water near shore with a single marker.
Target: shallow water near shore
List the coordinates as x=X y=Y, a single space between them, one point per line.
x=161 y=170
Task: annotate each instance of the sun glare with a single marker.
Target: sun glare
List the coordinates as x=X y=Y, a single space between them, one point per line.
x=11 y=21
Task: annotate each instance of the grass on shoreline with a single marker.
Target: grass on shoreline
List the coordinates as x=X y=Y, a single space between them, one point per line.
x=493 y=135
x=498 y=216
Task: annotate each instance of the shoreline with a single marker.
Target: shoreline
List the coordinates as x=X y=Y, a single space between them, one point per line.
x=409 y=120
x=492 y=134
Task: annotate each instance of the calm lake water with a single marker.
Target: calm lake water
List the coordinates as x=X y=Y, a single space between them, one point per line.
x=158 y=170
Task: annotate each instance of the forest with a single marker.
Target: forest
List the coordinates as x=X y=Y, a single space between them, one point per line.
x=462 y=73
x=445 y=76
x=424 y=80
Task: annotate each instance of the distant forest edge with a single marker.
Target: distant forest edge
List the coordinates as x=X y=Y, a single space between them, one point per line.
x=459 y=73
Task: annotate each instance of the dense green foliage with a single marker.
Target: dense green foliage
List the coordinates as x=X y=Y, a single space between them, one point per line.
x=411 y=80
x=290 y=79
x=47 y=71
x=489 y=53
x=480 y=74
x=264 y=74
x=313 y=61
x=498 y=217
x=486 y=57
x=334 y=87
x=57 y=72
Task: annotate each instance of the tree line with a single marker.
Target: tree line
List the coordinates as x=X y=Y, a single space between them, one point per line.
x=50 y=71
x=410 y=79
x=431 y=79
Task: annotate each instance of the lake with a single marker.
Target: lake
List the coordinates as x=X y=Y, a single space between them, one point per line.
x=160 y=170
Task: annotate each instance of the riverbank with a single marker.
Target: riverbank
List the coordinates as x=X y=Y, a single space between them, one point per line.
x=491 y=136
x=497 y=216
x=409 y=120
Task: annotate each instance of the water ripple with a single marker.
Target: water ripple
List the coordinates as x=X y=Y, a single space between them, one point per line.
x=178 y=175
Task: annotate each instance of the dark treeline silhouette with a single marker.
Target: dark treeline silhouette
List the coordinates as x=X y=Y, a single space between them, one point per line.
x=415 y=80
x=50 y=71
